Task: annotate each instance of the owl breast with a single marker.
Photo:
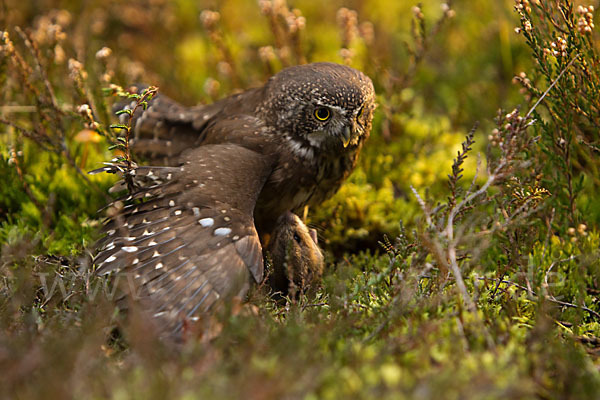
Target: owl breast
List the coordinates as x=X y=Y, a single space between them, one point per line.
x=298 y=182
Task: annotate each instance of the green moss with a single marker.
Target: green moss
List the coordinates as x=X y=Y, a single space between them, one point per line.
x=388 y=322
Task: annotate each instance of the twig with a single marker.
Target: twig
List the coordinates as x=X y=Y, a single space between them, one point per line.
x=449 y=232
x=32 y=135
x=551 y=299
x=141 y=100
x=305 y=306
x=457 y=169
x=549 y=232
x=146 y=95
x=550 y=87
x=423 y=206
x=15 y=159
x=35 y=52
x=17 y=109
x=452 y=214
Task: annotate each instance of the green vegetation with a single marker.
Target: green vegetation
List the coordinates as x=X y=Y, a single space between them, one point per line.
x=461 y=263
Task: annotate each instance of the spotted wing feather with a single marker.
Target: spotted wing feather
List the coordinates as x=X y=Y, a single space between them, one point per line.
x=185 y=237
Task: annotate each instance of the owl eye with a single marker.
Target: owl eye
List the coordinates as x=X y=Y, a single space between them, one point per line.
x=297 y=238
x=322 y=113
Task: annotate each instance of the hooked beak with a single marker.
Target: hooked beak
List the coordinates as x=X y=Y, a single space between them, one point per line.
x=346 y=136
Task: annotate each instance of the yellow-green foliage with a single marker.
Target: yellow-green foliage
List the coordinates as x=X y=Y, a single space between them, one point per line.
x=483 y=283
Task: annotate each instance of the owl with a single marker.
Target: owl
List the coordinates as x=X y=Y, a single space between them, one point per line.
x=189 y=231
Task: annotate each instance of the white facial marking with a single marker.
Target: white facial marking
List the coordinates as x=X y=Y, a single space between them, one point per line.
x=339 y=109
x=301 y=151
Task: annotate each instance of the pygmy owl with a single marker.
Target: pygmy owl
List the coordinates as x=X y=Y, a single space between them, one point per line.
x=189 y=230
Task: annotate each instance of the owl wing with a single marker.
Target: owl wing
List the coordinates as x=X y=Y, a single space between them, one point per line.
x=184 y=237
x=166 y=128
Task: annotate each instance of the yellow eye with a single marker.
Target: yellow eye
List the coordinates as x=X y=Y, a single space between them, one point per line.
x=322 y=113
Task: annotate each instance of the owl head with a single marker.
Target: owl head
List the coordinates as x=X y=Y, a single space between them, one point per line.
x=320 y=106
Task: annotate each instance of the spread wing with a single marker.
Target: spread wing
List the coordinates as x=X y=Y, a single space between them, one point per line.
x=166 y=128
x=185 y=236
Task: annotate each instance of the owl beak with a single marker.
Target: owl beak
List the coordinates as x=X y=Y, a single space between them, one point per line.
x=346 y=136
